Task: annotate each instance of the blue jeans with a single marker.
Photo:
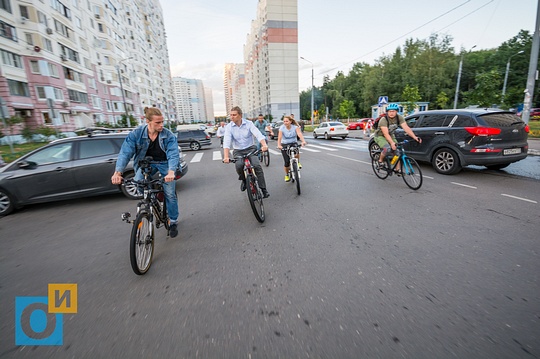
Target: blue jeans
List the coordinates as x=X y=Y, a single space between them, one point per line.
x=168 y=187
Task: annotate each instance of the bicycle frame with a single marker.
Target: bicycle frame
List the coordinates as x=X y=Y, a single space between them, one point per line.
x=253 y=190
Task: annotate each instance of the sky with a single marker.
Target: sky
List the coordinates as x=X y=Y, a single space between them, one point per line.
x=204 y=35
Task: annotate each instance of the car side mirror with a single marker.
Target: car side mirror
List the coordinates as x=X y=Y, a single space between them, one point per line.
x=27 y=165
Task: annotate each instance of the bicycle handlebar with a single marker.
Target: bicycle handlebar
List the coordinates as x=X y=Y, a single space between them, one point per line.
x=238 y=158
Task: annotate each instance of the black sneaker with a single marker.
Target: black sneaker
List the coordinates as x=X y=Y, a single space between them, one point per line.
x=173 y=230
x=265 y=193
x=243 y=186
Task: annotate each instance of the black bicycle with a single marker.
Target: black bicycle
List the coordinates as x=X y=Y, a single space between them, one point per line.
x=409 y=169
x=294 y=169
x=151 y=214
x=253 y=190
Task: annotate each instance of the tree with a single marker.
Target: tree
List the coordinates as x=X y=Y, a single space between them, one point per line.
x=346 y=109
x=410 y=97
x=487 y=90
x=442 y=100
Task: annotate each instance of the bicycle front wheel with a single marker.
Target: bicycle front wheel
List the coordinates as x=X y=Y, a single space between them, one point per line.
x=141 y=247
x=266 y=158
x=296 y=176
x=378 y=168
x=411 y=172
x=255 y=197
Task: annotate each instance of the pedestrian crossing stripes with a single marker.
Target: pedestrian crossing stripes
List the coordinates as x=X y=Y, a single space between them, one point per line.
x=195 y=157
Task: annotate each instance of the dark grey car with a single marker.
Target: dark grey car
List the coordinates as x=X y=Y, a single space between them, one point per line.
x=65 y=169
x=452 y=139
x=193 y=139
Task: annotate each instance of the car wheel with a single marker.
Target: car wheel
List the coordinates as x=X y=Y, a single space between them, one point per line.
x=326 y=136
x=314 y=134
x=446 y=162
x=195 y=146
x=6 y=203
x=373 y=148
x=130 y=190
x=498 y=167
x=343 y=137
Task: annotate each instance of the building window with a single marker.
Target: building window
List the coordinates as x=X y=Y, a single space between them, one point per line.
x=69 y=53
x=48 y=45
x=58 y=94
x=77 y=96
x=62 y=29
x=18 y=88
x=61 y=8
x=73 y=75
x=5 y=5
x=11 y=59
x=7 y=31
x=29 y=38
x=53 y=70
x=34 y=67
x=42 y=18
x=24 y=11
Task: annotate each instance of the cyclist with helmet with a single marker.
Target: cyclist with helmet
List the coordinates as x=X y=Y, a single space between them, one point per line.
x=384 y=135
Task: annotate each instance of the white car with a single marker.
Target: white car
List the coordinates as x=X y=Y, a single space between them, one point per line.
x=331 y=129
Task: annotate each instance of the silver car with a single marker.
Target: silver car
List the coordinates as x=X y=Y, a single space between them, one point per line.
x=331 y=129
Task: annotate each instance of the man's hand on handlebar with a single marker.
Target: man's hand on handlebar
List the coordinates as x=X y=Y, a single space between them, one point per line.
x=116 y=178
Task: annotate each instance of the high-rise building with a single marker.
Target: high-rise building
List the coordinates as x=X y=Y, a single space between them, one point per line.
x=271 y=62
x=88 y=61
x=191 y=101
x=235 y=86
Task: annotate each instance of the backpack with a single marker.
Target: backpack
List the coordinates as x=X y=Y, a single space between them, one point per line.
x=375 y=125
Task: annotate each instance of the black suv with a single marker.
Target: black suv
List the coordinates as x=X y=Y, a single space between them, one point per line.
x=193 y=139
x=452 y=139
x=64 y=169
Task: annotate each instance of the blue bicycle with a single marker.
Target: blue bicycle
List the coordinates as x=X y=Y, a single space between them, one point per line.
x=404 y=166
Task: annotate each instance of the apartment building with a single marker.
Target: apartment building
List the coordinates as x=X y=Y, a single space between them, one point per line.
x=270 y=73
x=73 y=63
x=192 y=102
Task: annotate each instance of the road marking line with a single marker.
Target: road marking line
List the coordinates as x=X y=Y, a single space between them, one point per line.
x=520 y=198
x=350 y=159
x=216 y=155
x=274 y=152
x=464 y=185
x=323 y=148
x=197 y=157
x=344 y=147
x=310 y=149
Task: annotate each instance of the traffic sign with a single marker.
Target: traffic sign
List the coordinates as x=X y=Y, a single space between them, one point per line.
x=383 y=100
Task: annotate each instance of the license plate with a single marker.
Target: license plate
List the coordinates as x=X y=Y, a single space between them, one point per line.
x=511 y=151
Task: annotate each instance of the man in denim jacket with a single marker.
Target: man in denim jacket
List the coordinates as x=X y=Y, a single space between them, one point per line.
x=161 y=144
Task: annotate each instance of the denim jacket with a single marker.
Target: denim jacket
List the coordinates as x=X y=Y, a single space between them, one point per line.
x=137 y=142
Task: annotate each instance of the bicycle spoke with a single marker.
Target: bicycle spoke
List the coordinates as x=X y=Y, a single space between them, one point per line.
x=142 y=243
x=411 y=172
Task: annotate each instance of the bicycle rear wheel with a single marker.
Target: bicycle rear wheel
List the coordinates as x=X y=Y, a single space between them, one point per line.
x=296 y=176
x=141 y=247
x=255 y=197
x=411 y=173
x=378 y=168
x=266 y=158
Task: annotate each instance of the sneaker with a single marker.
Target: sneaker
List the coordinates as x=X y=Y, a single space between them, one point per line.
x=173 y=230
x=287 y=178
x=299 y=166
x=265 y=193
x=243 y=186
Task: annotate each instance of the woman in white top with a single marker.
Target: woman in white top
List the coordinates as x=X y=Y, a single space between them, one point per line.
x=288 y=134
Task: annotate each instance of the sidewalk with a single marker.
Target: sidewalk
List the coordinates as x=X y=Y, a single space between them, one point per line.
x=534 y=143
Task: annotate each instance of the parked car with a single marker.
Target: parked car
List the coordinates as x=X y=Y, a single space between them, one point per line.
x=331 y=129
x=65 y=169
x=193 y=139
x=358 y=125
x=211 y=130
x=535 y=112
x=452 y=139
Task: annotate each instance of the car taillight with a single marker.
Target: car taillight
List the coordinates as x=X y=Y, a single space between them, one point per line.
x=483 y=131
x=485 y=150
x=527 y=128
x=331 y=129
x=207 y=137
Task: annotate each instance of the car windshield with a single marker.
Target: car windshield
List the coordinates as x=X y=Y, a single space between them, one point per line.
x=335 y=124
x=501 y=119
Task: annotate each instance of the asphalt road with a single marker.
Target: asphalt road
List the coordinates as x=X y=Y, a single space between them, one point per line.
x=355 y=267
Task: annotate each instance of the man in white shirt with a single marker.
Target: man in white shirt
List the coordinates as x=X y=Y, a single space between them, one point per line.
x=239 y=132
x=221 y=132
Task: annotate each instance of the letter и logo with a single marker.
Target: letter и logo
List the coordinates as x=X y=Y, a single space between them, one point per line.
x=39 y=320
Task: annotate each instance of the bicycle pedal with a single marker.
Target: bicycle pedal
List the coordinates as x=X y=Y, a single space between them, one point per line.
x=126 y=216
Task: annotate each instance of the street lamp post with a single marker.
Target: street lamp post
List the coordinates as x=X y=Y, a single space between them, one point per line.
x=506 y=73
x=312 y=88
x=459 y=78
x=121 y=86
